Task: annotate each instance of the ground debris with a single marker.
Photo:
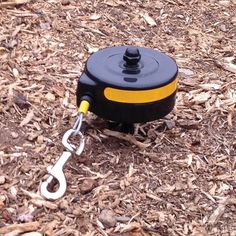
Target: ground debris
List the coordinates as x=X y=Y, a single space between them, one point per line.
x=13 y=3
x=20 y=228
x=219 y=211
x=87 y=186
x=172 y=175
x=107 y=218
x=32 y=234
x=148 y=19
x=126 y=137
x=28 y=118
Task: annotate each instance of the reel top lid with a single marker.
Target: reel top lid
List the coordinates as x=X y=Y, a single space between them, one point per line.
x=128 y=67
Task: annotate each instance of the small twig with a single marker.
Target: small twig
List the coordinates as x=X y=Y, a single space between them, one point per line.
x=125 y=137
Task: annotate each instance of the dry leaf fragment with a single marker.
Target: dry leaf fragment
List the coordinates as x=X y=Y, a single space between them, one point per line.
x=28 y=118
x=149 y=19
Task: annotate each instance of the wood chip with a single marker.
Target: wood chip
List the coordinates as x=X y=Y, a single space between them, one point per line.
x=21 y=228
x=107 y=218
x=130 y=227
x=218 y=212
x=2 y=179
x=87 y=186
x=47 y=204
x=228 y=64
x=27 y=119
x=201 y=97
x=50 y=97
x=173 y=184
x=13 y=3
x=32 y=234
x=95 y=16
x=48 y=229
x=15 y=73
x=31 y=194
x=149 y=19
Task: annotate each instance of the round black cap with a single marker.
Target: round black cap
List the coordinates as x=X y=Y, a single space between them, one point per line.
x=132 y=56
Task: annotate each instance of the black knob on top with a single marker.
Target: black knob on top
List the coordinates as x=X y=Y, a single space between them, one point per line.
x=132 y=56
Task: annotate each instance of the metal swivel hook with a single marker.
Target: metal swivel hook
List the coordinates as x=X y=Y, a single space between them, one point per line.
x=56 y=171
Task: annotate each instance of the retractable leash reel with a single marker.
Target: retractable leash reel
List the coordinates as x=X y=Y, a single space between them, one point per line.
x=122 y=84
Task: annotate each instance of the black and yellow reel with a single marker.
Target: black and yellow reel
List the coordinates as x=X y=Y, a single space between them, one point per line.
x=128 y=84
x=122 y=84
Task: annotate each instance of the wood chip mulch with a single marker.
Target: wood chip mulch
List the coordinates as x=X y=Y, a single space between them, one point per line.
x=174 y=176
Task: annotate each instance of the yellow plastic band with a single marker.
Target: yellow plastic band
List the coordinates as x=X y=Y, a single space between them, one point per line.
x=140 y=96
x=83 y=107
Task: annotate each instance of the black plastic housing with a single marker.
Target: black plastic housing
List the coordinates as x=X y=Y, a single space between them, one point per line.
x=127 y=69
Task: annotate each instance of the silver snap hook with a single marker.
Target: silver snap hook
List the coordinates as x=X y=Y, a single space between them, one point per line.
x=56 y=172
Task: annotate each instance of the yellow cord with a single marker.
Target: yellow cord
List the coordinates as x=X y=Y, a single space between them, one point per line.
x=83 y=107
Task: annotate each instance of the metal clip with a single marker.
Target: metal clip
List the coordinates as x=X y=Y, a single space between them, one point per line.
x=56 y=172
